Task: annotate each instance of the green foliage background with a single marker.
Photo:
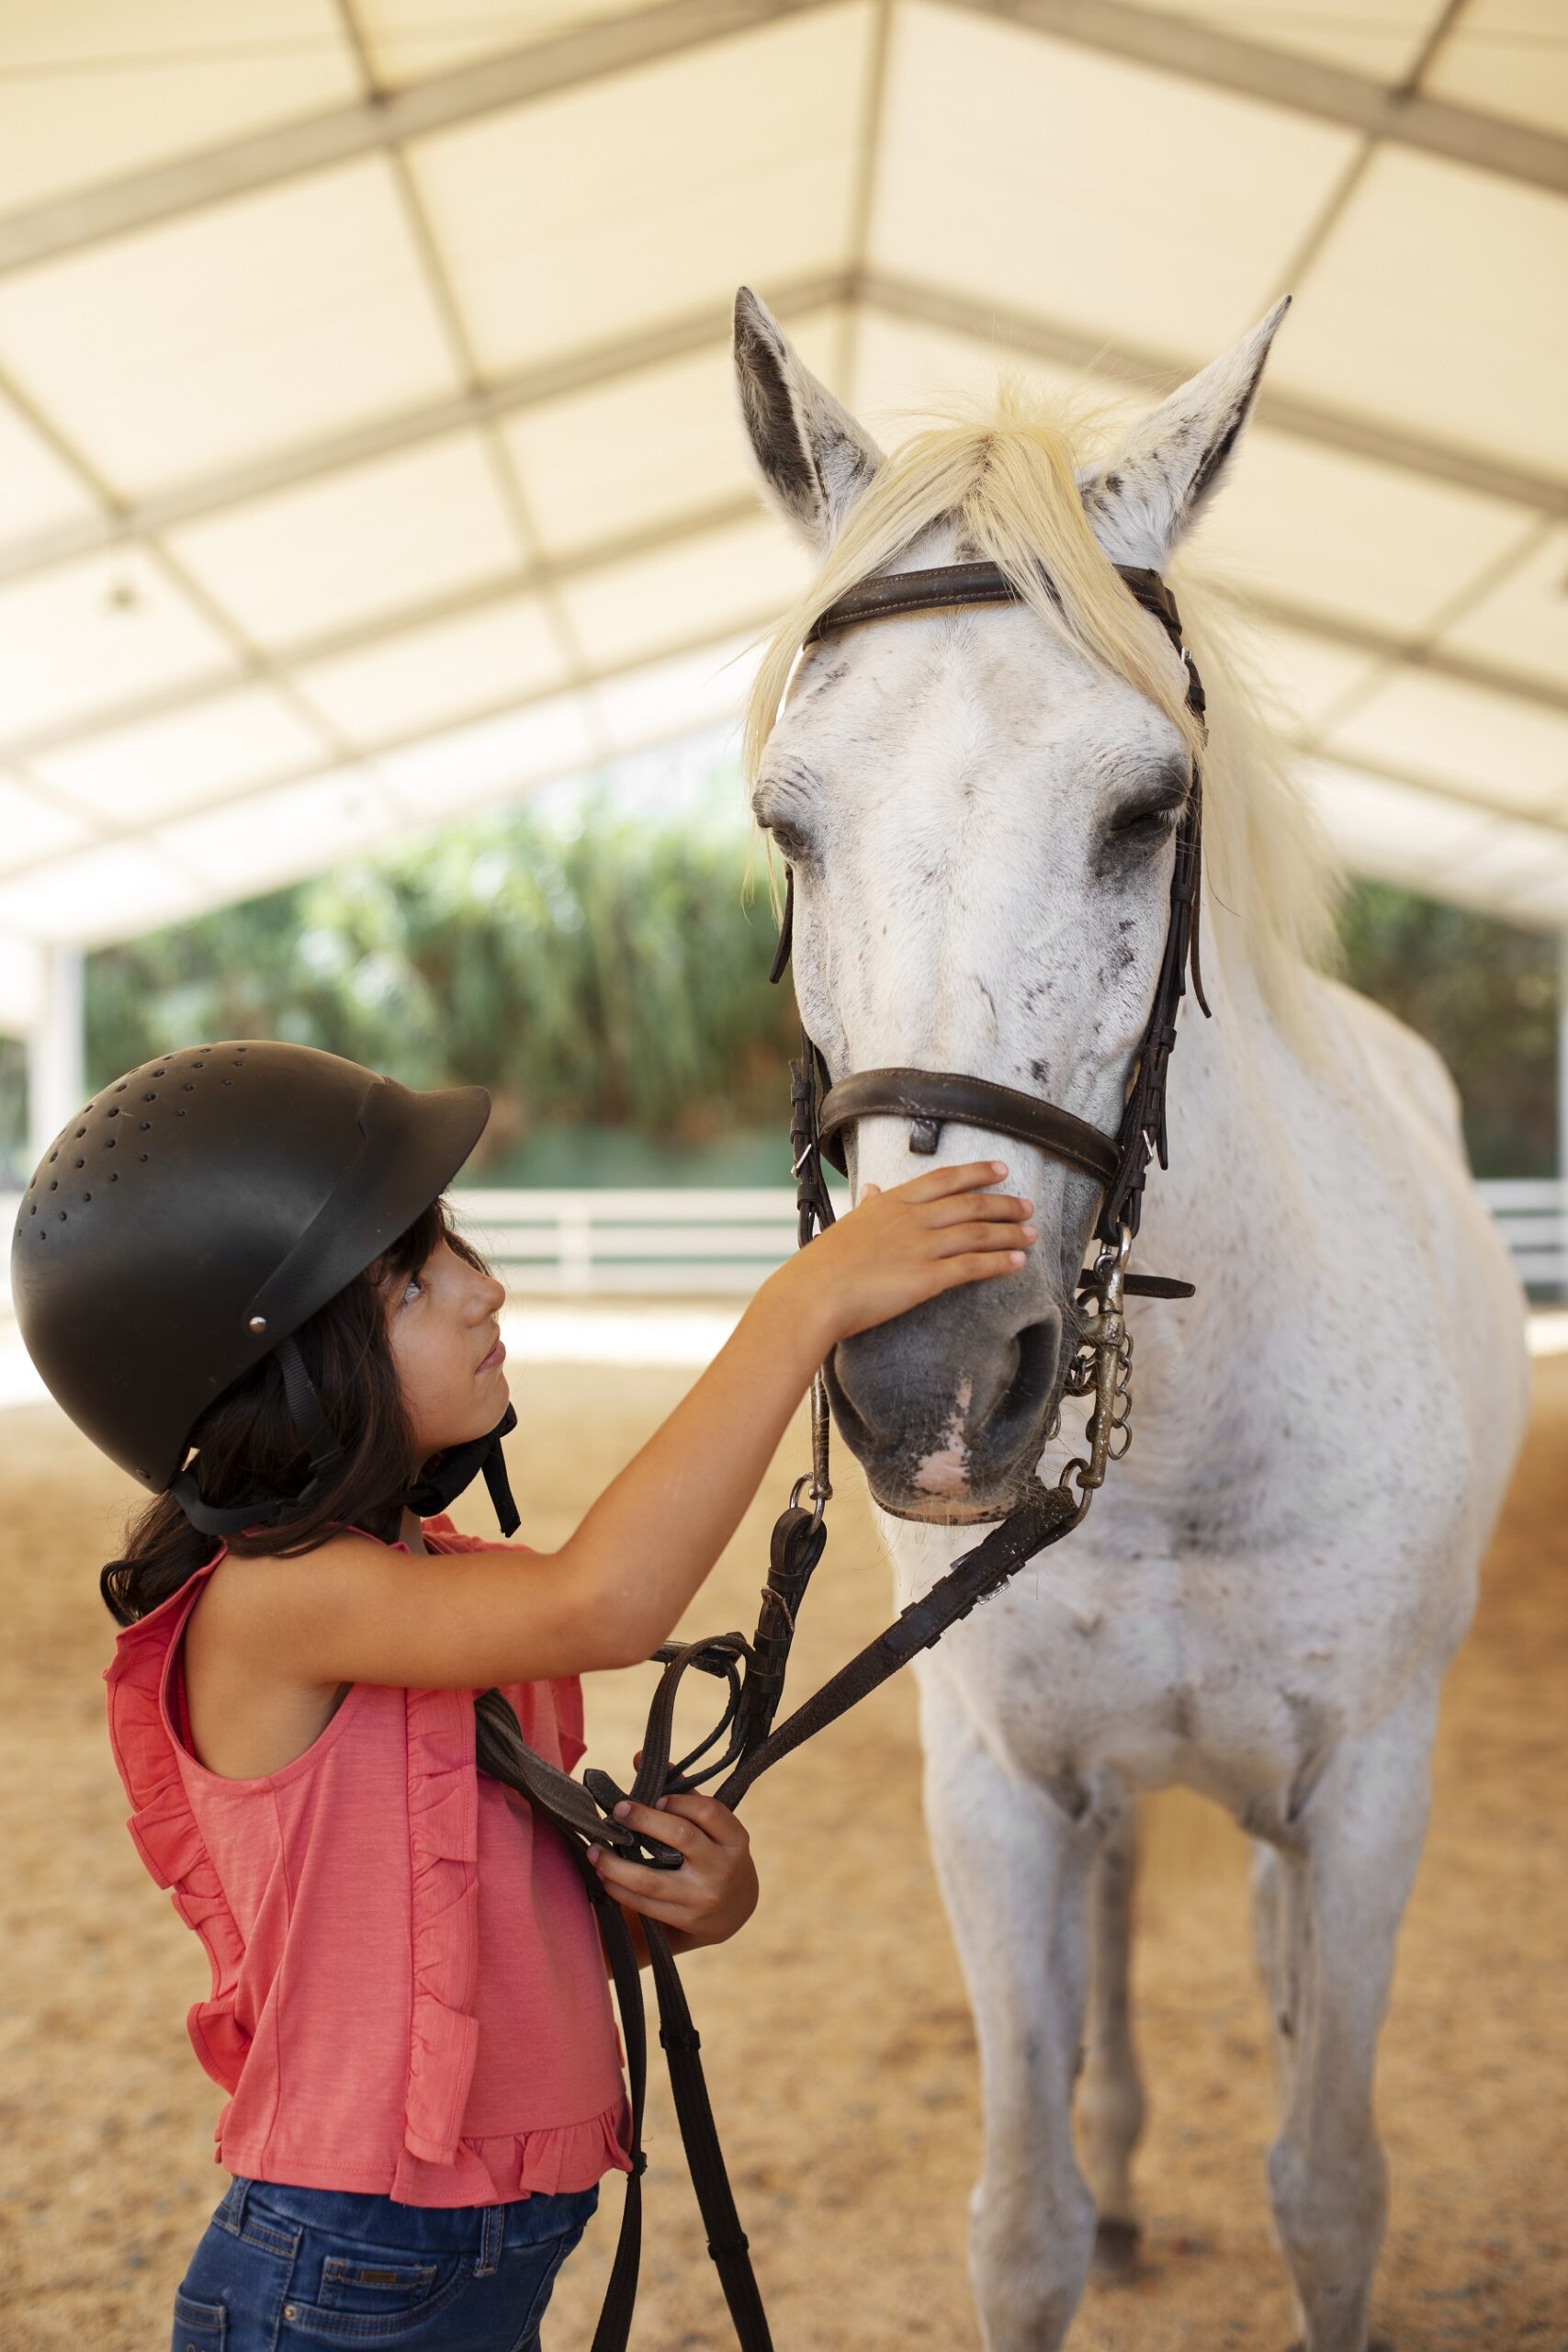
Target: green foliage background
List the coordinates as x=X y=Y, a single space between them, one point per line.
x=598 y=969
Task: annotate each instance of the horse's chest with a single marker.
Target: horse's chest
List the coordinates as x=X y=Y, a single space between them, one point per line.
x=1215 y=1673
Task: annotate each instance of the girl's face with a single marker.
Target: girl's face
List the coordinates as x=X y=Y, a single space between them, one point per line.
x=446 y=1348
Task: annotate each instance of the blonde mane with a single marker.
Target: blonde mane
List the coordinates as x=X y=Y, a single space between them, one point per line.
x=1009 y=483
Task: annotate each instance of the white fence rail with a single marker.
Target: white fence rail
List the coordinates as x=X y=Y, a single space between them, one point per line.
x=1532 y=1216
x=680 y=1244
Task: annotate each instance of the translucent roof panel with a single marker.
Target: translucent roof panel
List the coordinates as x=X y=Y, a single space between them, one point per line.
x=84 y=637
x=363 y=541
x=905 y=374
x=625 y=456
x=669 y=698
x=1341 y=533
x=33 y=826
x=1477 y=743
x=1303 y=680
x=1390 y=830
x=223 y=745
x=1430 y=303
x=654 y=603
x=1521 y=622
x=508 y=650
x=1508 y=57
x=94 y=89
x=643 y=197
x=236 y=330
x=42 y=493
x=494 y=757
x=275 y=836
x=1036 y=173
x=111 y=891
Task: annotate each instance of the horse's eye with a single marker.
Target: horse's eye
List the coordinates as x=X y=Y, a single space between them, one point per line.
x=1147 y=824
x=790 y=842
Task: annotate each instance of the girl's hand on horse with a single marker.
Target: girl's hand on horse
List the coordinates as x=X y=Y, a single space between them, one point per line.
x=894 y=1250
x=714 y=1892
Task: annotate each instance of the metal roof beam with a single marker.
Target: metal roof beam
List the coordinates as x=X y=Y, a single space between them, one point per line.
x=618 y=44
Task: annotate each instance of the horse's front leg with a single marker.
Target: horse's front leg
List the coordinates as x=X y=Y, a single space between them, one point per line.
x=1110 y=2097
x=1014 y=1871
x=1337 y=1910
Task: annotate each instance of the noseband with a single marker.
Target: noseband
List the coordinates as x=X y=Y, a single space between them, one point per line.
x=930 y=1099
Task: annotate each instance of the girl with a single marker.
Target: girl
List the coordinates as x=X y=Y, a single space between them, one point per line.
x=235 y=1271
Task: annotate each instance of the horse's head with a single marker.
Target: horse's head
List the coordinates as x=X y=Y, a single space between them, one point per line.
x=978 y=809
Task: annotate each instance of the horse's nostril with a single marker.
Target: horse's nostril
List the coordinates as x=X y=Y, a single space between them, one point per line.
x=1037 y=1345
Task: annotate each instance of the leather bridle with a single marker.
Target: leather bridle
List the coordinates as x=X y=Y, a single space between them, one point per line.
x=930 y=1099
x=748 y=1737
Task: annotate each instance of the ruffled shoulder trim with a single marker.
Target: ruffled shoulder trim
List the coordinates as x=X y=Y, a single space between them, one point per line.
x=164 y=1827
x=444 y=1839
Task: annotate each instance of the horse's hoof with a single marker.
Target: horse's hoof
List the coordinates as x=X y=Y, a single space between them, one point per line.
x=1115 y=2249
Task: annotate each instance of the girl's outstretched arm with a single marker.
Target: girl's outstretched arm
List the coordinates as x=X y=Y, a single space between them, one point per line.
x=353 y=1610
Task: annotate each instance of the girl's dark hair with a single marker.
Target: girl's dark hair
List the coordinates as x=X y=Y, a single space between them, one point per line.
x=247 y=1444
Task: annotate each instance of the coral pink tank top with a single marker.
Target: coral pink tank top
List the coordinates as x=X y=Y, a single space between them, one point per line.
x=408 y=1990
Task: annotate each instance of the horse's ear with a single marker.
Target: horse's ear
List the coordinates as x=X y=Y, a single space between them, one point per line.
x=815 y=459
x=1142 y=502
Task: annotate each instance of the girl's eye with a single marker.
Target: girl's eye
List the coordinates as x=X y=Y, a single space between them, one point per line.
x=411 y=1288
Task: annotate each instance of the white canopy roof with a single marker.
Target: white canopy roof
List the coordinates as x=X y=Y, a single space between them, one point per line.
x=365 y=436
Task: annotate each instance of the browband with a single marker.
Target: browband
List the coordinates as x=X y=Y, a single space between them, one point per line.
x=944 y=585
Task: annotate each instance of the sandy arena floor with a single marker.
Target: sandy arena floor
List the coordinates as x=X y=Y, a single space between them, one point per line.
x=841 y=2058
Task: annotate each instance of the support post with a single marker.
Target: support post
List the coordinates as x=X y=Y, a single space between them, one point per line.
x=1562 y=1114
x=56 y=1085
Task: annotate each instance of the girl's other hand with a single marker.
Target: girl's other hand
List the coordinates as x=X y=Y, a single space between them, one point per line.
x=714 y=1892
x=895 y=1250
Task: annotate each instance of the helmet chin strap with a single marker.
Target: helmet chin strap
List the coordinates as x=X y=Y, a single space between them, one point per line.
x=443 y=1480
x=447 y=1475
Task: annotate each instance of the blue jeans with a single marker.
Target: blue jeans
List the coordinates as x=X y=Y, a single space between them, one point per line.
x=283 y=2269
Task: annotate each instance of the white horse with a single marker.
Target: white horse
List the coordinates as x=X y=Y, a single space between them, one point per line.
x=977 y=807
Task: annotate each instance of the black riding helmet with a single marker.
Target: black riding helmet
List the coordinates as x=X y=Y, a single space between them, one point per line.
x=194 y=1215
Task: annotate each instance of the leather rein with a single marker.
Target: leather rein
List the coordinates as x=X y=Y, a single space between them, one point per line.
x=748 y=1739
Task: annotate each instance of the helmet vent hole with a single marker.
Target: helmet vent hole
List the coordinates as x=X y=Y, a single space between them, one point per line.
x=54 y=1184
x=187 y=1087
x=146 y=1127
x=108 y=1143
x=86 y=1197
x=81 y=1131
x=113 y=1114
x=81 y=1163
x=141 y=1155
x=114 y=1176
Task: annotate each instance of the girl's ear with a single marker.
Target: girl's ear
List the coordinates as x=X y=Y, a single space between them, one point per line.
x=814 y=457
x=1144 y=502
